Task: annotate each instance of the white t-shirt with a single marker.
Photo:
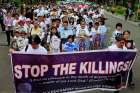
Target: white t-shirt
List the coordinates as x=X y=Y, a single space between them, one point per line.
x=48 y=21
x=46 y=12
x=4 y=10
x=39 y=50
x=113 y=40
x=102 y=12
x=114 y=47
x=86 y=19
x=75 y=17
x=59 y=12
x=96 y=16
x=117 y=32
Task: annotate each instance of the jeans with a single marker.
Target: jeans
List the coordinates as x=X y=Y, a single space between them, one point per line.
x=2 y=25
x=130 y=79
x=8 y=34
x=102 y=42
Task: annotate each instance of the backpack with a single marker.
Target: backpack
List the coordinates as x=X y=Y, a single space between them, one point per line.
x=26 y=48
x=44 y=42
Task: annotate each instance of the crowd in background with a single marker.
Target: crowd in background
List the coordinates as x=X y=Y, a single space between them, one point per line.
x=68 y=27
x=60 y=28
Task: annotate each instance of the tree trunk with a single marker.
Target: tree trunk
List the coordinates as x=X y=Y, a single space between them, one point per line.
x=113 y=2
x=133 y=3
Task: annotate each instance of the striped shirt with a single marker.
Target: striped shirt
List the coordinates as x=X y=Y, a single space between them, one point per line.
x=8 y=21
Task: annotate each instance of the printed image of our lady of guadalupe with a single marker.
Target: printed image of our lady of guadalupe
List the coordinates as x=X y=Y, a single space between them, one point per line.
x=82 y=35
x=18 y=43
x=25 y=88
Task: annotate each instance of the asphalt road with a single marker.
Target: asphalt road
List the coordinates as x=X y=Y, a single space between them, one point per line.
x=6 y=82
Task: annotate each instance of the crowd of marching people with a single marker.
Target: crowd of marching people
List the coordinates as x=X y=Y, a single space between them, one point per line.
x=59 y=28
x=63 y=28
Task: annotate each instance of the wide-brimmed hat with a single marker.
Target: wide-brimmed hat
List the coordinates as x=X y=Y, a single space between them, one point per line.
x=16 y=30
x=23 y=30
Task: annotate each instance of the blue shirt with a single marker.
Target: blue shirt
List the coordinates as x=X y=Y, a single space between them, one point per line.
x=102 y=29
x=69 y=47
x=65 y=33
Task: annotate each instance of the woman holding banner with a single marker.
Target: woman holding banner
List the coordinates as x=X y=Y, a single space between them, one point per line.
x=119 y=45
x=129 y=45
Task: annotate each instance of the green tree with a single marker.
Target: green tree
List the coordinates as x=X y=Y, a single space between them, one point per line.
x=16 y=2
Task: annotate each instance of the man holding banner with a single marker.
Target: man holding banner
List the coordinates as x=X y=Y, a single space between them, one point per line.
x=34 y=46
